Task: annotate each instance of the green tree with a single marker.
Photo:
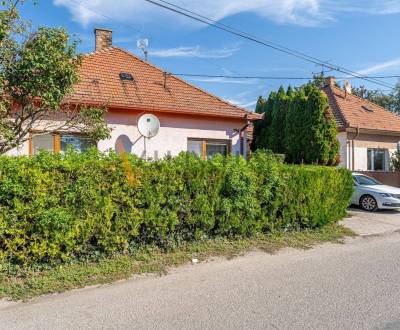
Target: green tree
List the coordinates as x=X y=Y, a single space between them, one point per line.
x=261 y=127
x=295 y=123
x=278 y=116
x=301 y=126
x=396 y=161
x=37 y=72
x=319 y=132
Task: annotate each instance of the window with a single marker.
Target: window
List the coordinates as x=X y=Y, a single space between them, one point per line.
x=377 y=159
x=364 y=180
x=206 y=149
x=59 y=142
x=77 y=142
x=42 y=142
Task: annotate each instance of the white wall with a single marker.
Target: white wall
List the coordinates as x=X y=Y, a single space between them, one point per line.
x=173 y=134
x=361 y=145
x=172 y=137
x=343 y=151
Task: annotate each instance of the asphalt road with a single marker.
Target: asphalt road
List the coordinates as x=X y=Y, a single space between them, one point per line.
x=350 y=286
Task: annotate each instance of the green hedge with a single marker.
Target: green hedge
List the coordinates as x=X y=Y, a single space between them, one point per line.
x=55 y=209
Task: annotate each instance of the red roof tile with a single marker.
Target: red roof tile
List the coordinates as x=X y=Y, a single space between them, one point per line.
x=353 y=111
x=151 y=90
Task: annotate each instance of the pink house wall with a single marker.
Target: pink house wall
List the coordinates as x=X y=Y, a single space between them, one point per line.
x=173 y=135
x=171 y=139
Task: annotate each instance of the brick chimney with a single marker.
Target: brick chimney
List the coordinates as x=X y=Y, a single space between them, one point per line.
x=103 y=38
x=330 y=81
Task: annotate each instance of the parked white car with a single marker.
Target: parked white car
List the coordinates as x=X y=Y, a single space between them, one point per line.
x=371 y=195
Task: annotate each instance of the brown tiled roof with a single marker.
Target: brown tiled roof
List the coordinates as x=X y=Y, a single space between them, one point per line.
x=151 y=90
x=353 y=111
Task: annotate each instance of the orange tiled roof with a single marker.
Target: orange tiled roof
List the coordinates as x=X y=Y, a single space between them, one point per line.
x=353 y=111
x=151 y=90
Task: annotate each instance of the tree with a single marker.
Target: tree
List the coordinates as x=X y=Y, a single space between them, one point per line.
x=37 y=73
x=278 y=114
x=396 y=161
x=301 y=126
x=261 y=127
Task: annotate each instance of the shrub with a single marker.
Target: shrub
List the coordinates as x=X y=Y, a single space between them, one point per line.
x=57 y=208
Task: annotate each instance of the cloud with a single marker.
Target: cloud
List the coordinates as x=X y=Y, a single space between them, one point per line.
x=380 y=67
x=243 y=103
x=218 y=80
x=298 y=12
x=194 y=52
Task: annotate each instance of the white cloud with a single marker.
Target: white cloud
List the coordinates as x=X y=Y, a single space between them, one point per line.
x=243 y=103
x=222 y=80
x=194 y=52
x=299 y=12
x=380 y=67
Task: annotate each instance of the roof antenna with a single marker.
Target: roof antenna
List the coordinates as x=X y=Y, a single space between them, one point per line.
x=347 y=89
x=143 y=44
x=166 y=75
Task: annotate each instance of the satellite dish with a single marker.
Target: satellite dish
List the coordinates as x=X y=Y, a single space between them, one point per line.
x=347 y=87
x=148 y=126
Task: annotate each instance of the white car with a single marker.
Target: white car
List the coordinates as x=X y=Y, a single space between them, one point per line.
x=371 y=195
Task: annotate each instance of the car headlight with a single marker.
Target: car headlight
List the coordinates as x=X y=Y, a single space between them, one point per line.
x=385 y=195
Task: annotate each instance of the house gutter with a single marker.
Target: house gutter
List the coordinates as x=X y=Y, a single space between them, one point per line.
x=352 y=147
x=241 y=135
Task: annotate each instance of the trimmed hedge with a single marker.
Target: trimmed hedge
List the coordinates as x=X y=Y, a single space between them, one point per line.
x=55 y=209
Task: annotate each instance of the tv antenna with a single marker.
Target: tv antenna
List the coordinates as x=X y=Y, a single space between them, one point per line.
x=148 y=126
x=347 y=87
x=143 y=44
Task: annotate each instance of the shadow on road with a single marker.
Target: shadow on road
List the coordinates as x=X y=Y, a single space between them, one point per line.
x=360 y=210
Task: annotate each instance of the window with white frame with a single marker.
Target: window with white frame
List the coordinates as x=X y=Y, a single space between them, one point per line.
x=377 y=159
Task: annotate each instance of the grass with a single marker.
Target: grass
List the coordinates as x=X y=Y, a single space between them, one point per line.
x=24 y=284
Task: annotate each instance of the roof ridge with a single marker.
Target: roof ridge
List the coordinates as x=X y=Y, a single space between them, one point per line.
x=182 y=80
x=367 y=101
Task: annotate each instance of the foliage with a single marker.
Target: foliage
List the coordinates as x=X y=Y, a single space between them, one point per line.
x=389 y=101
x=22 y=283
x=300 y=125
x=395 y=161
x=37 y=73
x=57 y=208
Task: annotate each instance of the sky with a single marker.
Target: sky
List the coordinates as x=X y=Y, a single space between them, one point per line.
x=360 y=35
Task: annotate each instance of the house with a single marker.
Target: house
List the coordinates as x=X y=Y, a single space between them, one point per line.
x=368 y=134
x=190 y=118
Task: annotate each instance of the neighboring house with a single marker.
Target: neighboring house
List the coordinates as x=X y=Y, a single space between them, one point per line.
x=368 y=134
x=191 y=119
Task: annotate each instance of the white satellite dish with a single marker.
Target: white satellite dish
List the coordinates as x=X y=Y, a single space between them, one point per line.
x=148 y=126
x=347 y=87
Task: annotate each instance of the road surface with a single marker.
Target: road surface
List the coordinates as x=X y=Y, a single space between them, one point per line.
x=350 y=286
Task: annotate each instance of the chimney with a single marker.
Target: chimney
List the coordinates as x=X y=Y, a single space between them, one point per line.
x=330 y=81
x=103 y=38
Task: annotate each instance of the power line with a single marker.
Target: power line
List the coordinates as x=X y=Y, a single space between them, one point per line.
x=203 y=19
x=268 y=77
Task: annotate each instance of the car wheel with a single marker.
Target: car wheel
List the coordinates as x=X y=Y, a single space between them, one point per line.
x=368 y=203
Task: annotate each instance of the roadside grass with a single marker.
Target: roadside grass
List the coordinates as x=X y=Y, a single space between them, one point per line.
x=24 y=284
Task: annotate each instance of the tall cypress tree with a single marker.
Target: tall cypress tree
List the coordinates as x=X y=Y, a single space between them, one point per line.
x=299 y=123
x=278 y=116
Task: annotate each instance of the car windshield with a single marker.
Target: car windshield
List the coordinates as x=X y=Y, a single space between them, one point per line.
x=366 y=180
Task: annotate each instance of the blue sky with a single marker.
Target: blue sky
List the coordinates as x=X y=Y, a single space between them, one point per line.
x=361 y=35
